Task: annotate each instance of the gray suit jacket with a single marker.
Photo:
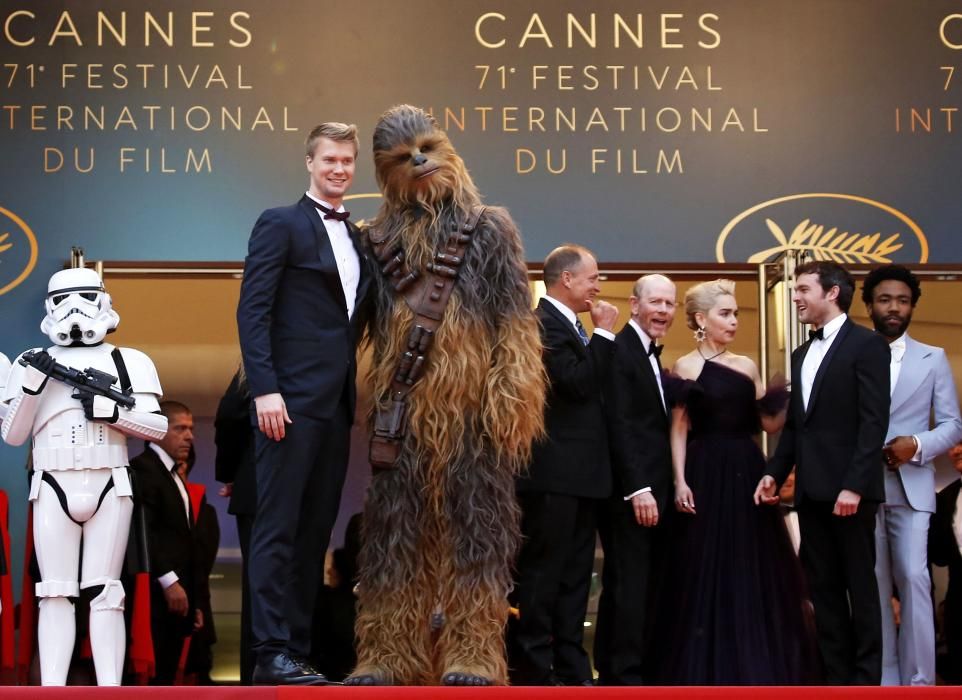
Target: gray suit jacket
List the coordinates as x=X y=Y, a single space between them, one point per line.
x=924 y=404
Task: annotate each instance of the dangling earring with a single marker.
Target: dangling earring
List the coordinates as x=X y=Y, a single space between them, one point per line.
x=699 y=335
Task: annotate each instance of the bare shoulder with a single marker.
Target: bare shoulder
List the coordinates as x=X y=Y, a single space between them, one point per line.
x=745 y=364
x=689 y=366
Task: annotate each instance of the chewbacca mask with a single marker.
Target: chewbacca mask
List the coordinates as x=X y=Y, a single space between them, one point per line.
x=441 y=528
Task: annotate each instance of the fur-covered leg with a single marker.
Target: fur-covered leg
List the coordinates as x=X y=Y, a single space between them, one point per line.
x=484 y=533
x=393 y=623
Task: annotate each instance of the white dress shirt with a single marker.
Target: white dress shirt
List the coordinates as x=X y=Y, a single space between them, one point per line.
x=573 y=318
x=345 y=255
x=166 y=580
x=817 y=350
x=646 y=342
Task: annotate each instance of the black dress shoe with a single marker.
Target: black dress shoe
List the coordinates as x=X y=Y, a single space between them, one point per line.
x=281 y=669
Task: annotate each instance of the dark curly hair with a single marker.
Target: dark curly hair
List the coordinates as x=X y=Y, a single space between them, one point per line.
x=890 y=272
x=831 y=274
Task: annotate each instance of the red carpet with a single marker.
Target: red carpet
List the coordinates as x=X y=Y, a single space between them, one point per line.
x=435 y=693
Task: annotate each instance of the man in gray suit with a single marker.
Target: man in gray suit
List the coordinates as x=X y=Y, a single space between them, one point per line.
x=922 y=387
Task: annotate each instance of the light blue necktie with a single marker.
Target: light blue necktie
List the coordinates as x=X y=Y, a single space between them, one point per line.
x=581 y=331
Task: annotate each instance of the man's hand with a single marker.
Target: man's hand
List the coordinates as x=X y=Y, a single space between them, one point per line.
x=604 y=315
x=847 y=503
x=226 y=490
x=272 y=415
x=766 y=492
x=899 y=450
x=176 y=598
x=198 y=619
x=646 y=509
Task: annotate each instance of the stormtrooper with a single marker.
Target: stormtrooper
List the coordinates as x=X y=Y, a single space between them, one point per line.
x=80 y=399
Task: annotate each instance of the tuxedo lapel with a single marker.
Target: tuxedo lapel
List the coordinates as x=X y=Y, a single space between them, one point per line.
x=550 y=309
x=325 y=252
x=823 y=367
x=166 y=478
x=915 y=365
x=642 y=365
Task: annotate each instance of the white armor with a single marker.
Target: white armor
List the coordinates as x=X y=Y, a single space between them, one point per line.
x=80 y=486
x=4 y=371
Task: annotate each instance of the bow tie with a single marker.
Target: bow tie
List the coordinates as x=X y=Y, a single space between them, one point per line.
x=817 y=334
x=655 y=349
x=330 y=213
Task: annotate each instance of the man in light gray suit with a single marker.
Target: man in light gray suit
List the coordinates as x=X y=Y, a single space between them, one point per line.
x=922 y=388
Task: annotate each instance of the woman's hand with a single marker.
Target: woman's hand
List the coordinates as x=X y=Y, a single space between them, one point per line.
x=684 y=499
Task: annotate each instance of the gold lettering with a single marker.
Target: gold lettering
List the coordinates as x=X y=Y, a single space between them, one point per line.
x=477 y=30
x=666 y=30
x=166 y=36
x=104 y=22
x=197 y=29
x=9 y=34
x=943 y=35
x=590 y=36
x=703 y=24
x=531 y=33
x=637 y=37
x=71 y=31
x=248 y=37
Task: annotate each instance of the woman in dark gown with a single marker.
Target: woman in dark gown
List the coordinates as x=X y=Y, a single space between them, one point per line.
x=733 y=608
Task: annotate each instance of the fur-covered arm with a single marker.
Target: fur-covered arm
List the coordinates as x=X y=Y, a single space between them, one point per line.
x=513 y=408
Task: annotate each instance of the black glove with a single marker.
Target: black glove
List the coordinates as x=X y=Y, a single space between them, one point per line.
x=43 y=362
x=87 y=401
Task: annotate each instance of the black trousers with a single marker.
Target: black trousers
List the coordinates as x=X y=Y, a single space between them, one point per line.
x=838 y=556
x=554 y=578
x=299 y=481
x=245 y=523
x=169 y=631
x=631 y=553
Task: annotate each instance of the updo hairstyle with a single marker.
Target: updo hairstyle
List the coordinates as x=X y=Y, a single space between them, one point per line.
x=702 y=297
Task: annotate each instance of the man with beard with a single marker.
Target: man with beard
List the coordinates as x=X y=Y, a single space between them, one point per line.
x=923 y=423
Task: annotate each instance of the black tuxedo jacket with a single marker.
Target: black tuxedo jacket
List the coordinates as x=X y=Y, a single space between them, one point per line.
x=171 y=544
x=573 y=459
x=234 y=438
x=837 y=443
x=295 y=334
x=639 y=423
x=944 y=549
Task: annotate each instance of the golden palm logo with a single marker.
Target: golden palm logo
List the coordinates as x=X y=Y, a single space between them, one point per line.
x=840 y=244
x=842 y=247
x=18 y=250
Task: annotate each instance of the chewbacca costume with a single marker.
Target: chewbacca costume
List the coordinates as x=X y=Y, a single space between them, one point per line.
x=441 y=528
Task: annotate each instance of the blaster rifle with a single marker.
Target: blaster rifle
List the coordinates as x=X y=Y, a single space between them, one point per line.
x=89 y=381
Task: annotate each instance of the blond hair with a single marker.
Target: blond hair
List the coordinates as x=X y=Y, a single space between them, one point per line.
x=702 y=298
x=335 y=131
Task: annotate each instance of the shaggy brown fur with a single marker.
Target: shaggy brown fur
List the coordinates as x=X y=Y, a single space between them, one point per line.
x=441 y=529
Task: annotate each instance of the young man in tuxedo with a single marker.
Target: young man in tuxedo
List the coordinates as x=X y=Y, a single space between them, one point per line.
x=640 y=424
x=305 y=277
x=834 y=432
x=923 y=424
x=569 y=475
x=177 y=582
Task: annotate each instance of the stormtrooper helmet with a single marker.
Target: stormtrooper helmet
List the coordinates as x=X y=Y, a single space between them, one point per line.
x=78 y=308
